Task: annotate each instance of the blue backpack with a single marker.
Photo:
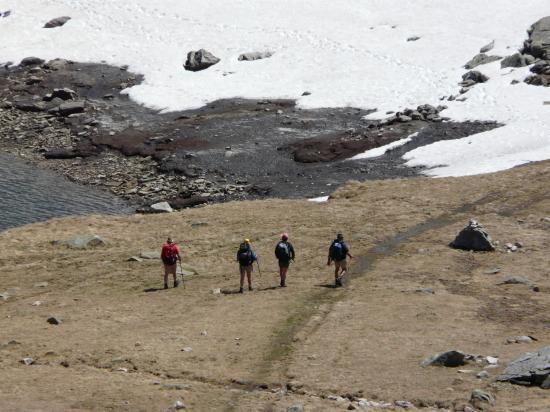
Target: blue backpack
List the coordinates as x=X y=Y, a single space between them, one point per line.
x=338 y=251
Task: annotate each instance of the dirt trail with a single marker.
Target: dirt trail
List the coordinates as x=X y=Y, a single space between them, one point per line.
x=123 y=340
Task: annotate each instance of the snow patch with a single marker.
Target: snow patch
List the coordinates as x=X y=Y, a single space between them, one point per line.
x=321 y=199
x=379 y=151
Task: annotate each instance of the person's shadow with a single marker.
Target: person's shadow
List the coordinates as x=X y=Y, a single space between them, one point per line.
x=149 y=290
x=326 y=285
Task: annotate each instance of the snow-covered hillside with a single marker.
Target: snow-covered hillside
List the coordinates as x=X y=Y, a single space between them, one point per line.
x=345 y=52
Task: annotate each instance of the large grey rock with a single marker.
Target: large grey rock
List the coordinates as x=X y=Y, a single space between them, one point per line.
x=451 y=359
x=480 y=59
x=31 y=61
x=30 y=106
x=57 y=22
x=517 y=60
x=63 y=94
x=475 y=76
x=255 y=56
x=55 y=320
x=532 y=368
x=538 y=44
x=200 y=60
x=149 y=255
x=82 y=242
x=473 y=237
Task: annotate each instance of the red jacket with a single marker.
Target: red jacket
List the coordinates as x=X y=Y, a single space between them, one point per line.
x=169 y=250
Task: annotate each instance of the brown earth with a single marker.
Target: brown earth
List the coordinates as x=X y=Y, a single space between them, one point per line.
x=120 y=345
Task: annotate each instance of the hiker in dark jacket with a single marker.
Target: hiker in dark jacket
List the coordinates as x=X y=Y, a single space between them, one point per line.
x=170 y=255
x=284 y=252
x=246 y=258
x=337 y=253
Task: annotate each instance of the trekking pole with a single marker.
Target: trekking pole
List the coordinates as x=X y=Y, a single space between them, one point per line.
x=259 y=271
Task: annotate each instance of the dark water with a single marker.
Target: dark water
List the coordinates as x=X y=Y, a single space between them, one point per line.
x=29 y=194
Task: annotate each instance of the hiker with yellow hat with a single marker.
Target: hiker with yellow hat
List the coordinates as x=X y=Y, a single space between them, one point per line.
x=246 y=258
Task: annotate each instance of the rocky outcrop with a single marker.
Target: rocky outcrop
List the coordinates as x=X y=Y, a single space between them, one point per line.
x=57 y=22
x=473 y=237
x=449 y=359
x=538 y=43
x=488 y=47
x=480 y=59
x=541 y=74
x=517 y=60
x=255 y=56
x=200 y=60
x=81 y=242
x=532 y=368
x=31 y=61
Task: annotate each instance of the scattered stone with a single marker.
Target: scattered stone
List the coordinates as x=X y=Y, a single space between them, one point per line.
x=532 y=368
x=413 y=38
x=479 y=396
x=149 y=255
x=480 y=59
x=521 y=339
x=450 y=359
x=351 y=407
x=199 y=224
x=40 y=285
x=68 y=108
x=37 y=303
x=174 y=386
x=295 y=408
x=473 y=237
x=491 y=360
x=31 y=61
x=492 y=271
x=179 y=405
x=27 y=361
x=4 y=296
x=57 y=22
x=187 y=349
x=30 y=106
x=426 y=291
x=517 y=60
x=216 y=291
x=64 y=363
x=63 y=94
x=134 y=259
x=306 y=93
x=474 y=76
x=515 y=280
x=204 y=333
x=255 y=56
x=55 y=320
x=162 y=207
x=487 y=47
x=200 y=60
x=482 y=375
x=82 y=242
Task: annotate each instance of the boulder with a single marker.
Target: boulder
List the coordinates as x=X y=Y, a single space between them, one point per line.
x=532 y=368
x=475 y=76
x=31 y=61
x=473 y=237
x=63 y=94
x=480 y=59
x=30 y=106
x=521 y=339
x=538 y=44
x=162 y=207
x=68 y=108
x=54 y=320
x=478 y=397
x=82 y=242
x=255 y=56
x=149 y=255
x=517 y=60
x=487 y=47
x=57 y=22
x=200 y=60
x=450 y=359
x=516 y=280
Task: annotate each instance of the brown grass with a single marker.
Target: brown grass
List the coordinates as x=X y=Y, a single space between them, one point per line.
x=370 y=336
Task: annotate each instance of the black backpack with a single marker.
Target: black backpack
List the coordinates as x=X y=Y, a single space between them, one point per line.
x=337 y=251
x=282 y=251
x=244 y=255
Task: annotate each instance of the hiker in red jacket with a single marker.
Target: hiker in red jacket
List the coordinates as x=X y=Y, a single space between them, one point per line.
x=170 y=255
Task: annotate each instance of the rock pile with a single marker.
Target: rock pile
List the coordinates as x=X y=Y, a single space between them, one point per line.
x=541 y=74
x=425 y=112
x=473 y=237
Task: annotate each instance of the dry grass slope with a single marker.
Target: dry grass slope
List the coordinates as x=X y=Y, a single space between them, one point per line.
x=120 y=345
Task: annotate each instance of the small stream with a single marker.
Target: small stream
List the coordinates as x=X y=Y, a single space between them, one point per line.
x=29 y=194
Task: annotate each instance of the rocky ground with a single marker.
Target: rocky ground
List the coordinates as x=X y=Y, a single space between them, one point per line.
x=86 y=329
x=73 y=118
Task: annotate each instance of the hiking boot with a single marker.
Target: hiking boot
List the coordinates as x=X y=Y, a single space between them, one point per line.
x=338 y=283
x=176 y=284
x=283 y=284
x=250 y=288
x=166 y=286
x=241 y=290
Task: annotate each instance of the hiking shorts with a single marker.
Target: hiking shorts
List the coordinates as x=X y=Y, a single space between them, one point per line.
x=170 y=269
x=341 y=264
x=284 y=264
x=246 y=268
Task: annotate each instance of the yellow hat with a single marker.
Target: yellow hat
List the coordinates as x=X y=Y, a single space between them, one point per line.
x=247 y=241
